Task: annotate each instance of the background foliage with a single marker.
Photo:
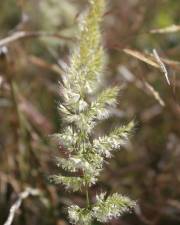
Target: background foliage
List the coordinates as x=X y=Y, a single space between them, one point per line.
x=29 y=72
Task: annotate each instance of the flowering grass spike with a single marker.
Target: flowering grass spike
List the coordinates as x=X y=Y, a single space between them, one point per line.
x=85 y=155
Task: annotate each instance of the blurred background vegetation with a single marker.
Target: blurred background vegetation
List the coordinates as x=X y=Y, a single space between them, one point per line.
x=31 y=64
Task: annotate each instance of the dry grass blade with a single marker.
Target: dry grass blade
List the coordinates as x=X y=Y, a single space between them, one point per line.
x=174 y=203
x=141 y=56
x=170 y=29
x=30 y=34
x=149 y=59
x=173 y=64
x=154 y=93
x=45 y=65
x=162 y=66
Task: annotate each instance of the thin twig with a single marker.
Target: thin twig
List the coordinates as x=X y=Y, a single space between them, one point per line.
x=17 y=204
x=29 y=34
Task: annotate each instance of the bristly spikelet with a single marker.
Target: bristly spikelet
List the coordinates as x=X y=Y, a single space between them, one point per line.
x=85 y=155
x=88 y=60
x=114 y=206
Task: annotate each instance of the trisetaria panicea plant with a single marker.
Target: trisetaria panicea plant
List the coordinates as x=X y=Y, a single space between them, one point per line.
x=82 y=109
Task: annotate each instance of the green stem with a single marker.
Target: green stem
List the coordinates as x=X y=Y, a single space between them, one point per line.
x=86 y=183
x=87 y=197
